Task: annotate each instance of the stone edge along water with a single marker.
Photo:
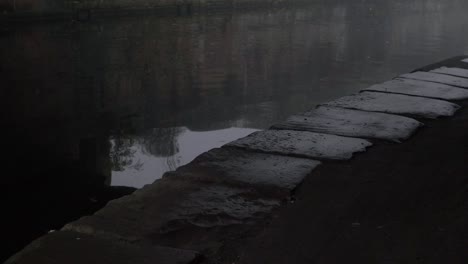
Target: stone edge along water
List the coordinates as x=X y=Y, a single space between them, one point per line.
x=437 y=78
x=395 y=104
x=352 y=123
x=420 y=88
x=250 y=175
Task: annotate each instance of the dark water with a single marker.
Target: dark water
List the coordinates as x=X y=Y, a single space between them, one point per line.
x=90 y=106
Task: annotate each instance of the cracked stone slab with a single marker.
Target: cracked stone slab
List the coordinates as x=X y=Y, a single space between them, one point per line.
x=169 y=204
x=75 y=248
x=459 y=72
x=420 y=88
x=237 y=166
x=353 y=123
x=396 y=104
x=302 y=144
x=437 y=78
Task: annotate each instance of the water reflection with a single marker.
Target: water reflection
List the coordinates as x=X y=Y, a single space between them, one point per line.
x=117 y=102
x=140 y=160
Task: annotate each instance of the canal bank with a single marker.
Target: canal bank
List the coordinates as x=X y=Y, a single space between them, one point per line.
x=90 y=98
x=397 y=203
x=406 y=202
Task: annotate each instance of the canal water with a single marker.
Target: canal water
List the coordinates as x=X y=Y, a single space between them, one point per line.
x=91 y=110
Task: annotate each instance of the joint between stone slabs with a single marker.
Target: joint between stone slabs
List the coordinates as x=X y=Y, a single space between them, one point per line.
x=339 y=121
x=267 y=173
x=395 y=104
x=138 y=219
x=305 y=144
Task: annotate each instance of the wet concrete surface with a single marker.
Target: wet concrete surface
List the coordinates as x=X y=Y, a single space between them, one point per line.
x=437 y=78
x=420 y=88
x=352 y=123
x=269 y=172
x=172 y=204
x=302 y=144
x=458 y=72
x=396 y=104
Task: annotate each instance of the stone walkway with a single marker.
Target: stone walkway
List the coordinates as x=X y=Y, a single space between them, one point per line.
x=217 y=205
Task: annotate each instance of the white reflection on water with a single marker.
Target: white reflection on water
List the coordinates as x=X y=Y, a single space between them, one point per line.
x=142 y=167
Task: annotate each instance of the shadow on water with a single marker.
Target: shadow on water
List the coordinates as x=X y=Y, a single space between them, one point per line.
x=88 y=108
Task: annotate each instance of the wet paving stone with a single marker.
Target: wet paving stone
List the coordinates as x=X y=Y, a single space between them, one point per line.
x=302 y=144
x=396 y=104
x=420 y=88
x=352 y=123
x=437 y=78
x=452 y=71
x=169 y=205
x=244 y=168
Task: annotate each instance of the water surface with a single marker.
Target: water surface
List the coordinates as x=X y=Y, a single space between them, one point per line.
x=147 y=83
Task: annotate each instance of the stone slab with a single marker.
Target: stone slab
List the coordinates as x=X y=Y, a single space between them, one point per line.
x=75 y=248
x=302 y=144
x=458 y=72
x=240 y=167
x=420 y=88
x=437 y=78
x=171 y=204
x=353 y=123
x=396 y=104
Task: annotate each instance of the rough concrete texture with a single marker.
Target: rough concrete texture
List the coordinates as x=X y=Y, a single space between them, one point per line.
x=458 y=72
x=396 y=104
x=302 y=144
x=75 y=248
x=353 y=123
x=437 y=78
x=245 y=168
x=420 y=88
x=168 y=205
